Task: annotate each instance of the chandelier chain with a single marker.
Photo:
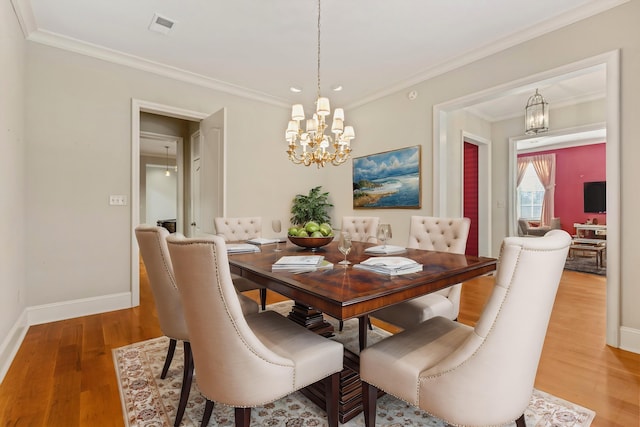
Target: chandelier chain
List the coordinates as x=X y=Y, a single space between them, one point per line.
x=318 y=48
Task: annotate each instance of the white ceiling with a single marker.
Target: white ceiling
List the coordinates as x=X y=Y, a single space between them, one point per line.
x=261 y=48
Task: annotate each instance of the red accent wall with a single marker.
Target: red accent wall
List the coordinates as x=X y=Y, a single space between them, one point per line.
x=574 y=166
x=470 y=208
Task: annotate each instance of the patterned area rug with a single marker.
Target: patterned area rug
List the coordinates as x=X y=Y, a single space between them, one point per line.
x=585 y=264
x=149 y=401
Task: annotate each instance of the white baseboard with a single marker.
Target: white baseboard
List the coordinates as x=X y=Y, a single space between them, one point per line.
x=12 y=343
x=46 y=313
x=630 y=339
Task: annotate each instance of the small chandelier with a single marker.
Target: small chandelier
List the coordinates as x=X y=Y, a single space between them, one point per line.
x=312 y=145
x=536 y=115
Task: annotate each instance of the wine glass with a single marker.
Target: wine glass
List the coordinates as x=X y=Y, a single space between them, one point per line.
x=384 y=234
x=276 y=226
x=344 y=246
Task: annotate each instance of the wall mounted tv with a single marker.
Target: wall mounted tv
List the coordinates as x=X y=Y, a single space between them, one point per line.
x=595 y=197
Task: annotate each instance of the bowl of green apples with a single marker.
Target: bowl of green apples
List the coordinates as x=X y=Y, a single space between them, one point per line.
x=311 y=235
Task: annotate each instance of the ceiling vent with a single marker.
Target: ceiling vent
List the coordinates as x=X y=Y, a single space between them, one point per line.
x=161 y=24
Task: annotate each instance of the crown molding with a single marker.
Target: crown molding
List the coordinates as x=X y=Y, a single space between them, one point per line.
x=467 y=58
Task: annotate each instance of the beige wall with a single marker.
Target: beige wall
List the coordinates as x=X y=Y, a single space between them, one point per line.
x=12 y=209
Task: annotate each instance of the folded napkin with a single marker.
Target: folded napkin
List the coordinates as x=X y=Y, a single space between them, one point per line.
x=390 y=265
x=388 y=250
x=241 y=248
x=263 y=241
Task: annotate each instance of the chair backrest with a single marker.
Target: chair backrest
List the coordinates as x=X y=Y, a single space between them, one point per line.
x=444 y=235
x=152 y=241
x=233 y=364
x=238 y=229
x=493 y=371
x=361 y=228
x=439 y=234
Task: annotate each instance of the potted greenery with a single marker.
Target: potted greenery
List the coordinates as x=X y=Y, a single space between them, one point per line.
x=312 y=207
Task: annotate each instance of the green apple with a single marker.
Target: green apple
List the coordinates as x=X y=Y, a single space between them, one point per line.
x=317 y=234
x=293 y=231
x=312 y=226
x=303 y=233
x=325 y=229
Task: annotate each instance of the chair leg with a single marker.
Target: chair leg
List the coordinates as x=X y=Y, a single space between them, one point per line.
x=169 y=358
x=187 y=378
x=520 y=422
x=263 y=298
x=243 y=417
x=208 y=410
x=369 y=401
x=342 y=325
x=332 y=395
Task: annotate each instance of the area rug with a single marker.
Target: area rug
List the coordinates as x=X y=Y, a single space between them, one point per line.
x=584 y=264
x=149 y=401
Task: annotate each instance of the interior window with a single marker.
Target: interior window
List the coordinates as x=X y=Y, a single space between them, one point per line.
x=530 y=195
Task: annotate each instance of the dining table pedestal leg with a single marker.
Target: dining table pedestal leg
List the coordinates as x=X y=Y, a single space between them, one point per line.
x=311 y=319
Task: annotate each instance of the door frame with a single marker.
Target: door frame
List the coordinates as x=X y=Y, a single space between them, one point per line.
x=141 y=106
x=611 y=60
x=178 y=140
x=484 y=188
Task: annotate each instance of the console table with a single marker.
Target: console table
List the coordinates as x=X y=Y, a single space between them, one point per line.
x=590 y=234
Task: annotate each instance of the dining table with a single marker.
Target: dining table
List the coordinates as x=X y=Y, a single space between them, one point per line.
x=345 y=292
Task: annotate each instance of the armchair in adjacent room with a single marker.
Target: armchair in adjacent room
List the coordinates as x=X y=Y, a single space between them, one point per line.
x=528 y=227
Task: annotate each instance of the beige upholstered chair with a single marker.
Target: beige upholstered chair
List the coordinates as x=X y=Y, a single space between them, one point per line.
x=245 y=361
x=155 y=255
x=436 y=234
x=482 y=375
x=361 y=228
x=236 y=230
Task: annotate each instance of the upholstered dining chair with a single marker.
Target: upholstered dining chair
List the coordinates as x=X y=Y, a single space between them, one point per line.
x=482 y=375
x=236 y=230
x=155 y=255
x=436 y=234
x=361 y=228
x=245 y=361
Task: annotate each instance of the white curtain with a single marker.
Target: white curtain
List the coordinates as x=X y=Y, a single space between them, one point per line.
x=545 y=167
x=523 y=162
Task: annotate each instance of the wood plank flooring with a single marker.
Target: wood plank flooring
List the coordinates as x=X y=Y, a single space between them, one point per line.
x=63 y=374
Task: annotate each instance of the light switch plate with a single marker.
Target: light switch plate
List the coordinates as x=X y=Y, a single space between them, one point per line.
x=118 y=200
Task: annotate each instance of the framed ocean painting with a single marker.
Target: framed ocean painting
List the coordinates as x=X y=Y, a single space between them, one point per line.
x=387 y=180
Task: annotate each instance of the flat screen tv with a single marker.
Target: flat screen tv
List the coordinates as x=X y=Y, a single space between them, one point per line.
x=595 y=197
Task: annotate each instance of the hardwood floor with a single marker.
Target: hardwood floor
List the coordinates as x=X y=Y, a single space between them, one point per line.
x=63 y=374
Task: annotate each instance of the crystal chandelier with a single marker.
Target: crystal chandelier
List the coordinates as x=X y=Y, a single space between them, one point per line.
x=312 y=145
x=536 y=115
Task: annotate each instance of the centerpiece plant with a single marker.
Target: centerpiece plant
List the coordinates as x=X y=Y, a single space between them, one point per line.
x=311 y=213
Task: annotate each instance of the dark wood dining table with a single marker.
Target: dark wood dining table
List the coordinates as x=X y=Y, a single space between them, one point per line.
x=346 y=292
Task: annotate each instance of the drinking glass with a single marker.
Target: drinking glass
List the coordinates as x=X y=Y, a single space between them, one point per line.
x=276 y=226
x=344 y=246
x=384 y=234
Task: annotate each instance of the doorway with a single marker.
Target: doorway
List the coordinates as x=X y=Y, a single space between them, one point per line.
x=610 y=63
x=139 y=107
